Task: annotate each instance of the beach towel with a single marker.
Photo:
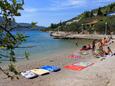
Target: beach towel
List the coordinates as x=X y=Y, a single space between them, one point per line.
x=74 y=56
x=40 y=71
x=78 y=66
x=50 y=68
x=73 y=67
x=84 y=64
x=29 y=74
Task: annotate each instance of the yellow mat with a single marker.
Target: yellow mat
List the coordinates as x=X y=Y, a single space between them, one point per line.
x=40 y=71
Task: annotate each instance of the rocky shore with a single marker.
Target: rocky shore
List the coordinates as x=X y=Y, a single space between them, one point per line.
x=70 y=35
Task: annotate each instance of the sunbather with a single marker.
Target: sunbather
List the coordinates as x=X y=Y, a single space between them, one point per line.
x=108 y=51
x=110 y=40
x=99 y=49
x=104 y=41
x=86 y=47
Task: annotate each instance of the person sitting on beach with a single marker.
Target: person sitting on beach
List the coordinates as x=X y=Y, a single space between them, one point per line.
x=108 y=51
x=100 y=52
x=99 y=49
x=110 y=40
x=104 y=41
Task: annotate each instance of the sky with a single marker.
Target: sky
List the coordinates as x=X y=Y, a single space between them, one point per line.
x=45 y=12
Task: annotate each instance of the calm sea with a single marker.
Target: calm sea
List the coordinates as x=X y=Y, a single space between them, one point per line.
x=41 y=45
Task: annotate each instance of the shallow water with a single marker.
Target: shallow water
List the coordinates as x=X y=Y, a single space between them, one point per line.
x=41 y=45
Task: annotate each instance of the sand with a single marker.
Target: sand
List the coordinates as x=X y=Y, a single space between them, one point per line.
x=102 y=73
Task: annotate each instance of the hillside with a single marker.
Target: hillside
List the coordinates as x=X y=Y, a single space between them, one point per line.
x=90 y=21
x=23 y=26
x=27 y=26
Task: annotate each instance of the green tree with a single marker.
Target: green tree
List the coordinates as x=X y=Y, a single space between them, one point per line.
x=8 y=41
x=91 y=14
x=111 y=7
x=86 y=14
x=53 y=25
x=99 y=12
x=33 y=24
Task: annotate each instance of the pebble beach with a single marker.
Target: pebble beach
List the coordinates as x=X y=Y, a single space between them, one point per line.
x=100 y=74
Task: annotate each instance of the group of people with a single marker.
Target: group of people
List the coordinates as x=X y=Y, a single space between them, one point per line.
x=99 y=47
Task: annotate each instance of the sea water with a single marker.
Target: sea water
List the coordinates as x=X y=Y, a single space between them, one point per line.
x=42 y=45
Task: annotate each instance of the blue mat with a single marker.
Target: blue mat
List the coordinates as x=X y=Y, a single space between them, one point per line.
x=50 y=68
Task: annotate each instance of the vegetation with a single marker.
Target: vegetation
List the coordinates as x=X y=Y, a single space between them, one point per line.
x=9 y=41
x=90 y=21
x=33 y=24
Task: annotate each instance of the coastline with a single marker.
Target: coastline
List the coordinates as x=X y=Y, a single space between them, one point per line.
x=65 y=50
x=69 y=35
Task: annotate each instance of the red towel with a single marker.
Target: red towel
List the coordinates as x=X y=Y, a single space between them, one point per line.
x=73 y=67
x=74 y=56
x=76 y=67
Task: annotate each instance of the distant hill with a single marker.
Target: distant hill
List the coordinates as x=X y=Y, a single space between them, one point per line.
x=23 y=26
x=91 y=21
x=27 y=26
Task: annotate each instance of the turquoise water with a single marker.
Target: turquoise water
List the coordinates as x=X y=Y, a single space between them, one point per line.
x=44 y=45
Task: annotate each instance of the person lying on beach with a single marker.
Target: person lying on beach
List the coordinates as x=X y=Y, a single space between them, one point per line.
x=86 y=47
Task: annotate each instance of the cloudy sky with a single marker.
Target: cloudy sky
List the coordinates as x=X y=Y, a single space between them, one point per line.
x=45 y=12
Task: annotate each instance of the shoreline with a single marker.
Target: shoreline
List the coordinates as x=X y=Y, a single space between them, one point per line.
x=57 y=60
x=97 y=75
x=69 y=35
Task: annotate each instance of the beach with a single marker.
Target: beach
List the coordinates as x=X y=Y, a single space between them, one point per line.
x=57 y=43
x=100 y=74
